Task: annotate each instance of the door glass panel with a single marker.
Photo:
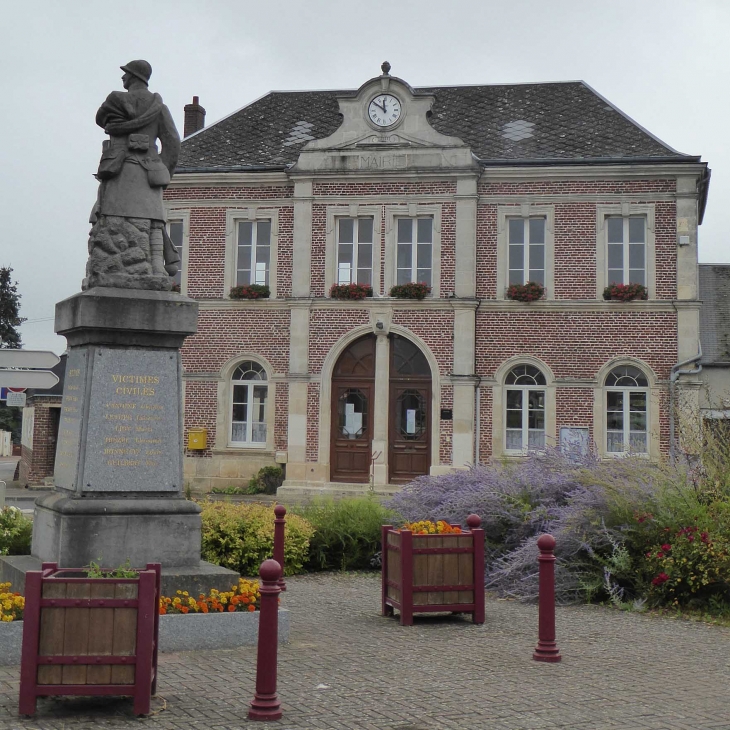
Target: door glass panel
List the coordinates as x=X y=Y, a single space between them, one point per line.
x=353 y=414
x=408 y=358
x=410 y=415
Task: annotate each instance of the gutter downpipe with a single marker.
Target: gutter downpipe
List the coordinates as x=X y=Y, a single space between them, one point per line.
x=673 y=377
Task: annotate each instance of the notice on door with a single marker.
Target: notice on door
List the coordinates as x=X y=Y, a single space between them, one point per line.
x=353 y=421
x=410 y=420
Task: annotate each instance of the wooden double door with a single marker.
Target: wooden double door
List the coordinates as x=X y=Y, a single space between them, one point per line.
x=354 y=402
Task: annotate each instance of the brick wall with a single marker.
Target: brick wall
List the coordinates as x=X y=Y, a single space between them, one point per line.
x=38 y=463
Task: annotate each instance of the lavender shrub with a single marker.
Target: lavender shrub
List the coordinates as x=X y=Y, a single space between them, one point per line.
x=586 y=504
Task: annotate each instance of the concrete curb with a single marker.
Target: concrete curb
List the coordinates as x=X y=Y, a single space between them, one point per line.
x=193 y=632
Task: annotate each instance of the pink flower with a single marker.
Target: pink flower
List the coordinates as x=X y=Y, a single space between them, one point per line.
x=661 y=578
x=666 y=547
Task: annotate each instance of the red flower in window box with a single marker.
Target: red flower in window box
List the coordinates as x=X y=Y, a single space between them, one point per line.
x=530 y=292
x=625 y=292
x=414 y=290
x=250 y=291
x=350 y=291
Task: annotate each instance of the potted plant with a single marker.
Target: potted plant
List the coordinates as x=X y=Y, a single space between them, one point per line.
x=625 y=292
x=218 y=620
x=431 y=567
x=90 y=632
x=250 y=291
x=413 y=290
x=350 y=291
x=530 y=292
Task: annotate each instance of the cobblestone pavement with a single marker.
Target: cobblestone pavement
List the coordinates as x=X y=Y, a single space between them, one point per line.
x=347 y=667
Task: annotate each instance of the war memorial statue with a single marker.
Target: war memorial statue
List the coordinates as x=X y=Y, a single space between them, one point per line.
x=118 y=474
x=128 y=245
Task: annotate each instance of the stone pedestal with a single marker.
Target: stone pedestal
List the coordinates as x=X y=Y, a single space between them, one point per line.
x=118 y=472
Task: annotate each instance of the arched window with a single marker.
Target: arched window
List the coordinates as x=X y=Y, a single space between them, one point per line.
x=248 y=414
x=525 y=409
x=627 y=392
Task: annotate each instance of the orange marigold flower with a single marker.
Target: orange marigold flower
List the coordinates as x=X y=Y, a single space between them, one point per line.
x=184 y=609
x=231 y=608
x=251 y=608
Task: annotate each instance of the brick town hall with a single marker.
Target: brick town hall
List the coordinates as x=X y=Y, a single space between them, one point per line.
x=469 y=189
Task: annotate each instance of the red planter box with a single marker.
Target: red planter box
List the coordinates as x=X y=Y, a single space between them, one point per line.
x=89 y=636
x=430 y=573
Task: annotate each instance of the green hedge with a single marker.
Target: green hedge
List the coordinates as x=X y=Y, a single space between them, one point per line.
x=241 y=537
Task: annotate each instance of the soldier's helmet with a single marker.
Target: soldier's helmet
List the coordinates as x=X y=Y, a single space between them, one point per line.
x=141 y=69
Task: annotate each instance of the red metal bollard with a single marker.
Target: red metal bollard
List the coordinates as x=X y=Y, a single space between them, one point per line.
x=279 y=525
x=265 y=704
x=546 y=649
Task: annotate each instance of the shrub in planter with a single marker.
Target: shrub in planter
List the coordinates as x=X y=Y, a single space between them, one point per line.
x=530 y=292
x=16 y=531
x=241 y=537
x=414 y=290
x=625 y=292
x=347 y=532
x=350 y=291
x=250 y=291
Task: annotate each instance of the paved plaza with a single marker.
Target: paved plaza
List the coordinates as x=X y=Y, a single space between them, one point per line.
x=348 y=667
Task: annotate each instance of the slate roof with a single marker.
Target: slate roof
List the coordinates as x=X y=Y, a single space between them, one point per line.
x=714 y=291
x=521 y=123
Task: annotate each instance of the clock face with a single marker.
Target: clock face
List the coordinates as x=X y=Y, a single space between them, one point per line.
x=384 y=110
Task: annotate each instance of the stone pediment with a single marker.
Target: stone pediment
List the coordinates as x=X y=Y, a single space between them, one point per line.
x=365 y=141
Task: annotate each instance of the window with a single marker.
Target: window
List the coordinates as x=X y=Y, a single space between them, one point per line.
x=525 y=409
x=175 y=231
x=253 y=253
x=526 y=241
x=626 y=410
x=626 y=249
x=248 y=416
x=355 y=251
x=414 y=254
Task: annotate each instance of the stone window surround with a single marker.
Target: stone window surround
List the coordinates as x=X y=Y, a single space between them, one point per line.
x=525 y=210
x=250 y=213
x=184 y=216
x=224 y=407
x=652 y=407
x=499 y=403
x=412 y=210
x=625 y=210
x=355 y=210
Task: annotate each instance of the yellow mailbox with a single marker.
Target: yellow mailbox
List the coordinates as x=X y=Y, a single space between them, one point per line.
x=197 y=439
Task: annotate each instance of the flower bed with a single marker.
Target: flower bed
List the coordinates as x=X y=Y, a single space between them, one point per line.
x=250 y=291
x=439 y=568
x=242 y=597
x=625 y=292
x=350 y=291
x=414 y=290
x=11 y=604
x=530 y=292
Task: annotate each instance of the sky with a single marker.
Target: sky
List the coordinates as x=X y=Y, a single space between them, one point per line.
x=665 y=63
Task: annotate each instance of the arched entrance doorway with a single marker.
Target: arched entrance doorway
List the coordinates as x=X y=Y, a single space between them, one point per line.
x=353 y=391
x=402 y=402
x=409 y=427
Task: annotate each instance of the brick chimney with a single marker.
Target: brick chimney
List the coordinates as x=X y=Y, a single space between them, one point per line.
x=194 y=117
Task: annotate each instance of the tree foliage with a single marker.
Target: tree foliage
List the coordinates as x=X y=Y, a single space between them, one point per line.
x=10 y=317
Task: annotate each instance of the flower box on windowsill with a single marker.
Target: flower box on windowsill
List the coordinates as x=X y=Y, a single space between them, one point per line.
x=530 y=292
x=433 y=572
x=350 y=291
x=414 y=290
x=625 y=292
x=250 y=291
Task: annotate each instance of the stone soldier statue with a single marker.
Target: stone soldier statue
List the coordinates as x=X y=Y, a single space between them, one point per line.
x=128 y=245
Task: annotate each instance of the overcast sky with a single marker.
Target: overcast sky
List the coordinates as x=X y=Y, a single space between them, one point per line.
x=666 y=63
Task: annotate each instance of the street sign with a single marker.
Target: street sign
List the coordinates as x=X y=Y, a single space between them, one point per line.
x=28 y=378
x=4 y=392
x=28 y=359
x=16 y=400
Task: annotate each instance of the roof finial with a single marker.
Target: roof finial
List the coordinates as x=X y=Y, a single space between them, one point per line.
x=385 y=66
